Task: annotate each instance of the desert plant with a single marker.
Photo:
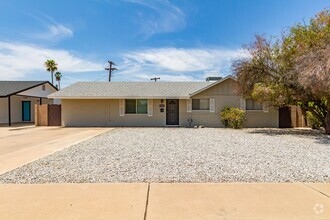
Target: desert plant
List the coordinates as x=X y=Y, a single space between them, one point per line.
x=291 y=70
x=313 y=122
x=232 y=117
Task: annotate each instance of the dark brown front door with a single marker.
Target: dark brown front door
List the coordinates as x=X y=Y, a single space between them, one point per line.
x=172 y=112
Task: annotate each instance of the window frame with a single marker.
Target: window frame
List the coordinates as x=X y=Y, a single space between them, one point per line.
x=136 y=107
x=208 y=106
x=253 y=105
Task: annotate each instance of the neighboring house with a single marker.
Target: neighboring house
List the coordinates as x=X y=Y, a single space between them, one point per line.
x=157 y=104
x=17 y=99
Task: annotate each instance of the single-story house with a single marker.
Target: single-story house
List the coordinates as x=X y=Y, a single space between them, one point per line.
x=157 y=104
x=17 y=99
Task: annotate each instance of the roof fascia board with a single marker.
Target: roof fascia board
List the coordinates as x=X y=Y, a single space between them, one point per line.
x=52 y=85
x=118 y=97
x=31 y=96
x=23 y=90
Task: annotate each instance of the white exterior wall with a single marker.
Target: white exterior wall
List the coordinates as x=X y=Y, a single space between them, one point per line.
x=16 y=102
x=225 y=96
x=3 y=110
x=260 y=119
x=205 y=117
x=105 y=112
x=16 y=108
x=38 y=92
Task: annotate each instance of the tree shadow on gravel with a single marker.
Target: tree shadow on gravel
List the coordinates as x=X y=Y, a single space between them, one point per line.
x=317 y=135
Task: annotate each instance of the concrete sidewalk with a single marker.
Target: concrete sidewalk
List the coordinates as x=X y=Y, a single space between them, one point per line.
x=236 y=201
x=21 y=146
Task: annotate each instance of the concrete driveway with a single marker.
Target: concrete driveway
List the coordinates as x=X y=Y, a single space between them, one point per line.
x=20 y=146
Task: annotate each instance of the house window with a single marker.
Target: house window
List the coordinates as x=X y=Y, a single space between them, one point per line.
x=136 y=106
x=200 y=104
x=253 y=105
x=43 y=87
x=130 y=107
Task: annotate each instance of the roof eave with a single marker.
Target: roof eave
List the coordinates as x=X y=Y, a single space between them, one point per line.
x=31 y=87
x=118 y=97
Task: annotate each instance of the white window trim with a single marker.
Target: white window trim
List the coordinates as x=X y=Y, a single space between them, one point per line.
x=150 y=107
x=189 y=105
x=265 y=108
x=212 y=105
x=243 y=104
x=201 y=110
x=121 y=107
x=252 y=110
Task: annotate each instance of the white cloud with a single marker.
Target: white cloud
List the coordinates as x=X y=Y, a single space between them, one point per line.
x=54 y=32
x=165 y=18
x=178 y=64
x=19 y=60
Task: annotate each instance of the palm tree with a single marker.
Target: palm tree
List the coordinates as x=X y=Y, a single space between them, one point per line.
x=58 y=77
x=51 y=67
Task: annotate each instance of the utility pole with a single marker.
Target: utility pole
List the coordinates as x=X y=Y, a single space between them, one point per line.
x=155 y=79
x=110 y=69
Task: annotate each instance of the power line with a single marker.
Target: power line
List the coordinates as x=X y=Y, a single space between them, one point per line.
x=98 y=79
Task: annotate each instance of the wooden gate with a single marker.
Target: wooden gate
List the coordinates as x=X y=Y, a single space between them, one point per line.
x=47 y=115
x=285 y=117
x=291 y=117
x=54 y=115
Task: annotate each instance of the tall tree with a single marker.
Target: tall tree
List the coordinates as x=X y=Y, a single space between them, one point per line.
x=51 y=66
x=58 y=77
x=291 y=70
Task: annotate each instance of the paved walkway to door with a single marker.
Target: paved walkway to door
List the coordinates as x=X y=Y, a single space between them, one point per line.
x=142 y=201
x=19 y=146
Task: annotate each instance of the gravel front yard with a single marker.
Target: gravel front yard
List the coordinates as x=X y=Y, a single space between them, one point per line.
x=185 y=155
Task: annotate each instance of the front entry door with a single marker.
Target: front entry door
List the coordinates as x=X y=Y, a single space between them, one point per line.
x=26 y=111
x=172 y=112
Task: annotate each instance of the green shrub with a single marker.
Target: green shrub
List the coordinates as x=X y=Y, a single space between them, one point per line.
x=313 y=122
x=232 y=117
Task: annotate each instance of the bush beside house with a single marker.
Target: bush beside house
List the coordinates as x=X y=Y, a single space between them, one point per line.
x=232 y=117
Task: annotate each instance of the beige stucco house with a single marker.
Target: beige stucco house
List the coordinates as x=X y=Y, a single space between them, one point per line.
x=18 y=98
x=157 y=104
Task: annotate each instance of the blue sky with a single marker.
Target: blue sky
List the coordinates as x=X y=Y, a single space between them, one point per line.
x=177 y=40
